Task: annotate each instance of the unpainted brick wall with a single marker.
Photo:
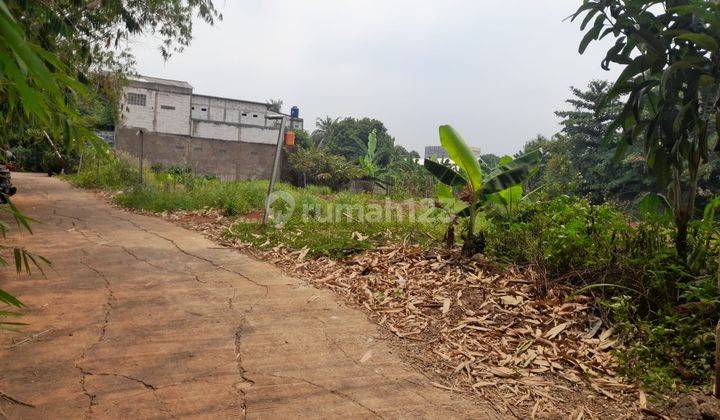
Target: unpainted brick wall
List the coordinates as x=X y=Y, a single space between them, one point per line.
x=230 y=160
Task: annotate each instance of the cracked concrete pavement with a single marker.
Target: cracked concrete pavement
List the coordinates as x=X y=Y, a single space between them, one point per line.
x=138 y=318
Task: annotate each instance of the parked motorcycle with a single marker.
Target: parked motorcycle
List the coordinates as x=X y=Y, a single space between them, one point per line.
x=6 y=187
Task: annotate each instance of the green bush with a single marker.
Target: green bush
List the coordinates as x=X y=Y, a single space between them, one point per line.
x=112 y=173
x=317 y=166
x=183 y=192
x=665 y=308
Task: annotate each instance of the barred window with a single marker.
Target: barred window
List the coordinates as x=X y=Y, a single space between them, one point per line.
x=136 y=99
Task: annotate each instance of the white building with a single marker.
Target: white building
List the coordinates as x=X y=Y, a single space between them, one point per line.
x=170 y=107
x=168 y=124
x=437 y=152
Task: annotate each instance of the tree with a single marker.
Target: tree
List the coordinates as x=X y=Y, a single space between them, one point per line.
x=671 y=71
x=368 y=160
x=302 y=138
x=585 y=126
x=346 y=136
x=35 y=87
x=275 y=105
x=322 y=168
x=489 y=161
x=407 y=176
x=323 y=127
x=91 y=33
x=581 y=159
x=46 y=49
x=557 y=174
x=88 y=40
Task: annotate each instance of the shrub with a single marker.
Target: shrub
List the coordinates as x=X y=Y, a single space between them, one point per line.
x=666 y=309
x=114 y=173
x=320 y=167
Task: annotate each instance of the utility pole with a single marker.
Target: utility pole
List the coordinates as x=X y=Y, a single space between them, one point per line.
x=142 y=152
x=276 y=164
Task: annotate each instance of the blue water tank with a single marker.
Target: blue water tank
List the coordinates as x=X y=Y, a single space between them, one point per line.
x=295 y=112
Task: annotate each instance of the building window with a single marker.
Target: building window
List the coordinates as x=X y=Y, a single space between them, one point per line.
x=136 y=99
x=244 y=114
x=254 y=115
x=171 y=108
x=203 y=109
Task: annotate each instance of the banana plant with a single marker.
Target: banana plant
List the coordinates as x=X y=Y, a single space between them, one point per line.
x=368 y=160
x=510 y=198
x=478 y=188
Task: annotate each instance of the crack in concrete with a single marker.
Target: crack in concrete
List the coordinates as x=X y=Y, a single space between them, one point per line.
x=55 y=212
x=84 y=373
x=105 y=242
x=190 y=254
x=231 y=300
x=14 y=400
x=109 y=244
x=238 y=333
x=106 y=319
x=108 y=304
x=368 y=368
x=162 y=406
x=145 y=384
x=326 y=389
x=241 y=371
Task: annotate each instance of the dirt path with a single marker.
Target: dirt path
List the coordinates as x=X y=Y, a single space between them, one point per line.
x=140 y=318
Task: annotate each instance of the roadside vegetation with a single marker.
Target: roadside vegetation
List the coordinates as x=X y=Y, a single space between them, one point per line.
x=620 y=207
x=626 y=261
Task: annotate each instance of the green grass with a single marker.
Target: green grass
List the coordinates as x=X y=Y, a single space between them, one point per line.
x=233 y=198
x=339 y=235
x=337 y=240
x=165 y=191
x=666 y=310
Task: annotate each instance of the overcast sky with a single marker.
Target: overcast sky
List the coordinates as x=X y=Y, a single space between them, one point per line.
x=495 y=70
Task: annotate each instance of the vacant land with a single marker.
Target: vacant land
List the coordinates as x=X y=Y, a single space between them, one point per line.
x=140 y=318
x=471 y=325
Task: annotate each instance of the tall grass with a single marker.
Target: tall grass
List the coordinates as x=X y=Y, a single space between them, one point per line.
x=179 y=190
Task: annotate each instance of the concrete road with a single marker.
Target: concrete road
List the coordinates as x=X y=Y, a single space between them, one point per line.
x=138 y=318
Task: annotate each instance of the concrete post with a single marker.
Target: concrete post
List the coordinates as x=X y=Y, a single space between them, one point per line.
x=276 y=163
x=142 y=152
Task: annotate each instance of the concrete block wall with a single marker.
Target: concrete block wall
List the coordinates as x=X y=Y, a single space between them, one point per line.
x=228 y=110
x=163 y=111
x=215 y=130
x=137 y=115
x=265 y=135
x=226 y=137
x=229 y=160
x=172 y=113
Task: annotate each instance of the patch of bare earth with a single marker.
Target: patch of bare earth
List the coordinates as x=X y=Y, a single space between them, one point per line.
x=471 y=327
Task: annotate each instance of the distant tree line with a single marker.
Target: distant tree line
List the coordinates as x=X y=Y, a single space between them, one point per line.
x=582 y=160
x=332 y=154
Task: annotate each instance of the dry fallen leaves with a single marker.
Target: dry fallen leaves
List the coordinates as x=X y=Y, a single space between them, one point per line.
x=475 y=328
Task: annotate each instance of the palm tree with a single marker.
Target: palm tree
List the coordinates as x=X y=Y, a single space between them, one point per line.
x=275 y=104
x=323 y=126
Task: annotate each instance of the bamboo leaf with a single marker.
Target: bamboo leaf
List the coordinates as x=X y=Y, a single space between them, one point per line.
x=10 y=299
